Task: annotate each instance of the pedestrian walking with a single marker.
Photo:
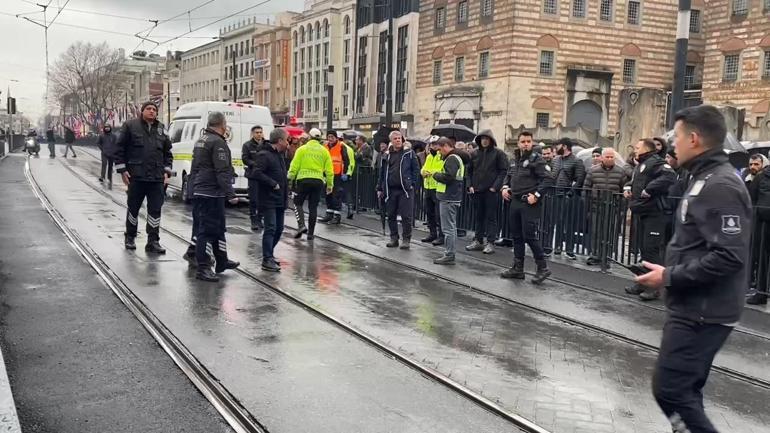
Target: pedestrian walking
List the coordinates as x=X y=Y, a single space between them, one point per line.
x=310 y=173
x=569 y=174
x=341 y=164
x=249 y=153
x=397 y=181
x=107 y=143
x=486 y=173
x=69 y=138
x=449 y=191
x=647 y=193
x=273 y=194
x=605 y=180
x=434 y=163
x=143 y=159
x=51 y=139
x=706 y=269
x=213 y=185
x=524 y=186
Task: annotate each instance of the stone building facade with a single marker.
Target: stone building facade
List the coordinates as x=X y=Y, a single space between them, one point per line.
x=201 y=69
x=272 y=67
x=494 y=63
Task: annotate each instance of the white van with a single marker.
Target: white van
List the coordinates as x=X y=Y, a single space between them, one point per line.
x=189 y=123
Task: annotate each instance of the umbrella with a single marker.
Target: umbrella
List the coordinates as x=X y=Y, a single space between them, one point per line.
x=382 y=135
x=294 y=131
x=454 y=130
x=585 y=155
x=351 y=134
x=418 y=142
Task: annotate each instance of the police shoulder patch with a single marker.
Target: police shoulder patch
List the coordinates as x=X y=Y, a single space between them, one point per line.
x=547 y=167
x=731 y=224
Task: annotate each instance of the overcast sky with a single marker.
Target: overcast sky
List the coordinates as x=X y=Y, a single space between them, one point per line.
x=23 y=46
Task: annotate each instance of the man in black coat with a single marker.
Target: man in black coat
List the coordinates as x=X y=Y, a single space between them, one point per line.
x=569 y=174
x=647 y=193
x=50 y=137
x=212 y=167
x=759 y=191
x=143 y=158
x=486 y=173
x=69 y=139
x=706 y=269
x=271 y=173
x=107 y=143
x=249 y=157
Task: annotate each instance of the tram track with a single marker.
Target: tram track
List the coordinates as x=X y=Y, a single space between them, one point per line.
x=729 y=372
x=523 y=424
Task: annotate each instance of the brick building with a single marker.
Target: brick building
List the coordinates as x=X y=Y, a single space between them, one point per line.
x=494 y=63
x=737 y=59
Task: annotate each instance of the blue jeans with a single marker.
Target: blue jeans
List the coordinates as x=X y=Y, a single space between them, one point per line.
x=448 y=211
x=273 y=221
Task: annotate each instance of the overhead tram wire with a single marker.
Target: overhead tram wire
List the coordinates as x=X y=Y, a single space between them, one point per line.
x=156 y=23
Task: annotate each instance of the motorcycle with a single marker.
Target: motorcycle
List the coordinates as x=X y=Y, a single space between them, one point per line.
x=32 y=146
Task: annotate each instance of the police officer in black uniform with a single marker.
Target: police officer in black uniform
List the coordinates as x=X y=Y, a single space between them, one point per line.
x=143 y=158
x=524 y=186
x=249 y=152
x=706 y=270
x=647 y=193
x=212 y=185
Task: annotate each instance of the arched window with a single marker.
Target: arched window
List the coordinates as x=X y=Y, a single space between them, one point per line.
x=302 y=35
x=347 y=25
x=326 y=28
x=309 y=32
x=317 y=31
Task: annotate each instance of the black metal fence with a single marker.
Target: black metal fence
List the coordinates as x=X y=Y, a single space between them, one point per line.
x=587 y=222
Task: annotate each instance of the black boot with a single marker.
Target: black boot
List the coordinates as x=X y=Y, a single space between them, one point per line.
x=189 y=256
x=516 y=271
x=393 y=243
x=326 y=218
x=503 y=243
x=542 y=272
x=405 y=244
x=256 y=225
x=337 y=219
x=205 y=274
x=130 y=242
x=154 y=247
x=300 y=231
x=756 y=298
x=229 y=264
x=431 y=237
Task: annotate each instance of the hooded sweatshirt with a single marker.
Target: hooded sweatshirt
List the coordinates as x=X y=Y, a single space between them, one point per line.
x=488 y=165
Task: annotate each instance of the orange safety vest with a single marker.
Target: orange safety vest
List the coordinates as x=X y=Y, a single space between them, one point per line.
x=337 y=161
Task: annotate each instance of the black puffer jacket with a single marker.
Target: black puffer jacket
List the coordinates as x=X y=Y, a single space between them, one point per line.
x=569 y=172
x=144 y=150
x=212 y=166
x=488 y=165
x=655 y=177
x=249 y=153
x=269 y=172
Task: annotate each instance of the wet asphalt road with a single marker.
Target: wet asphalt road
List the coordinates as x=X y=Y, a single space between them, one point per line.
x=562 y=377
x=77 y=359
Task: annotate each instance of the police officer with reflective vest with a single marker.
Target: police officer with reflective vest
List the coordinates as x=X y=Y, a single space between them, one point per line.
x=525 y=186
x=341 y=164
x=212 y=186
x=143 y=158
x=310 y=172
x=647 y=193
x=706 y=270
x=433 y=164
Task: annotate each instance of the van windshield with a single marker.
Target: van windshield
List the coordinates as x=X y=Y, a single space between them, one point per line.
x=183 y=130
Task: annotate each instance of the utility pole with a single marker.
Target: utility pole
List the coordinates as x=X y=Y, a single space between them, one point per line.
x=680 y=62
x=389 y=78
x=329 y=97
x=45 y=27
x=235 y=74
x=168 y=105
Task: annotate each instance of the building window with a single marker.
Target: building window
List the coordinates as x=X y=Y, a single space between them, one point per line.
x=766 y=7
x=543 y=120
x=740 y=8
x=295 y=61
x=317 y=81
x=294 y=86
x=347 y=25
x=695 y=21
x=345 y=79
x=462 y=13
x=317 y=31
x=689 y=77
x=382 y=58
x=484 y=64
x=301 y=36
x=346 y=50
x=634 y=12
x=310 y=56
x=731 y=67
x=326 y=28
x=401 y=52
x=629 y=71
x=766 y=65
x=460 y=69
x=318 y=55
x=546 y=63
x=316 y=104
x=309 y=82
x=436 y=72
x=579 y=8
x=345 y=105
x=323 y=107
x=487 y=7
x=550 y=7
x=326 y=53
x=605 y=10
x=361 y=76
x=308 y=105
x=440 y=21
x=302 y=58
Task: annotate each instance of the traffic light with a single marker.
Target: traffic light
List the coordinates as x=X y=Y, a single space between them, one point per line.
x=11 y=105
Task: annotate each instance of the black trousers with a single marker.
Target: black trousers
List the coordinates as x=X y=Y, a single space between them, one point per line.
x=566 y=210
x=525 y=228
x=432 y=213
x=652 y=236
x=254 y=199
x=137 y=191
x=486 y=204
x=686 y=353
x=399 y=203
x=106 y=167
x=209 y=213
x=310 y=190
x=334 y=200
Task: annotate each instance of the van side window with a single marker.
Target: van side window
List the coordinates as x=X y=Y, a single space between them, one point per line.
x=176 y=132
